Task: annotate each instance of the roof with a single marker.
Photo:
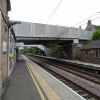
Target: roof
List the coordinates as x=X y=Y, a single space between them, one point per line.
x=8 y=5
x=92 y=44
x=97 y=27
x=91 y=27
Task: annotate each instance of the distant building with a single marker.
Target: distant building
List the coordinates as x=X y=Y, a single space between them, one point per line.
x=4 y=8
x=91 y=52
x=91 y=27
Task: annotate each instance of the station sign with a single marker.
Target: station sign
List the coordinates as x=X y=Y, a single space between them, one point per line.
x=76 y=41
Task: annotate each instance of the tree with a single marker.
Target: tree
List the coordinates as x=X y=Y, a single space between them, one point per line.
x=31 y=50
x=96 y=35
x=53 y=48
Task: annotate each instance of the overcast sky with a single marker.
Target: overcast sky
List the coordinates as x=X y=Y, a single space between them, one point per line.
x=69 y=13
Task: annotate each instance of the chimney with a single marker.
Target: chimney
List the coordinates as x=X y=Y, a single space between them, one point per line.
x=89 y=23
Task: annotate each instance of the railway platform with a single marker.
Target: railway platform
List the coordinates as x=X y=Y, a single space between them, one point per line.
x=74 y=62
x=31 y=82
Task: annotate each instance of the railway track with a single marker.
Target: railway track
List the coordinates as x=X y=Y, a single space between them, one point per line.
x=83 y=82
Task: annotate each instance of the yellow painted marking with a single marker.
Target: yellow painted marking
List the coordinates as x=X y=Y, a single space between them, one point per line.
x=36 y=84
x=50 y=93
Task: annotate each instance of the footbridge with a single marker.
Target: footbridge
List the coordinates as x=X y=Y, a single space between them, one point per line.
x=43 y=33
x=68 y=39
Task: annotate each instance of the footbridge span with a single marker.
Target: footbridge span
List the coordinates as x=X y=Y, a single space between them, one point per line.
x=69 y=39
x=39 y=33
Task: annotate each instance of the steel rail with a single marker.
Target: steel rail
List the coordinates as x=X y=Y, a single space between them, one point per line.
x=80 y=81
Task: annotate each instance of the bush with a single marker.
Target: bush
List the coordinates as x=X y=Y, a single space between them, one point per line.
x=96 y=35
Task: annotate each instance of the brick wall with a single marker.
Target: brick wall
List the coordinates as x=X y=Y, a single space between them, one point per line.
x=3 y=7
x=3 y=42
x=90 y=57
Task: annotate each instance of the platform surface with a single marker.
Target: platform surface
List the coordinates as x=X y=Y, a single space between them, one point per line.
x=21 y=86
x=31 y=82
x=75 y=61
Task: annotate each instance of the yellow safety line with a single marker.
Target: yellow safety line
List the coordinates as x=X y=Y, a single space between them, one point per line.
x=35 y=82
x=50 y=93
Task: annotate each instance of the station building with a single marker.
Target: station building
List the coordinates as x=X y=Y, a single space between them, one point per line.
x=4 y=42
x=92 y=27
x=91 y=52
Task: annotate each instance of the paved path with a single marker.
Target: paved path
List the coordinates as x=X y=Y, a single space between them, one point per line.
x=31 y=82
x=21 y=85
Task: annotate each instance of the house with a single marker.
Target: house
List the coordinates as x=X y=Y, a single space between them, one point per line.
x=91 y=27
x=4 y=8
x=91 y=52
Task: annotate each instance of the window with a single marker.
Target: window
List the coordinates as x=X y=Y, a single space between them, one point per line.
x=98 y=53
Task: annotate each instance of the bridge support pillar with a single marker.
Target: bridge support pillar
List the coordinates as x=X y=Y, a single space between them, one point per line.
x=76 y=52
x=69 y=52
x=65 y=52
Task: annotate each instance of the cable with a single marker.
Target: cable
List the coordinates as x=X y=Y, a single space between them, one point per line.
x=91 y=20
x=86 y=19
x=54 y=11
x=95 y=18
